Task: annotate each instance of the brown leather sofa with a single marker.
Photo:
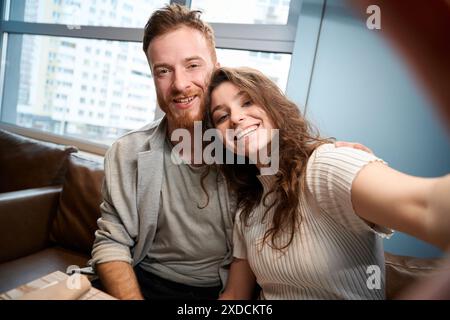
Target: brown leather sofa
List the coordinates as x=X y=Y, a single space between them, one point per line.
x=49 y=204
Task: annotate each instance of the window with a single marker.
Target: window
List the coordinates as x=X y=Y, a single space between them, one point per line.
x=30 y=110
x=248 y=11
x=122 y=13
x=274 y=65
x=93 y=82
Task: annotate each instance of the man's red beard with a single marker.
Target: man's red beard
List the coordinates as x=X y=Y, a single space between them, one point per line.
x=183 y=118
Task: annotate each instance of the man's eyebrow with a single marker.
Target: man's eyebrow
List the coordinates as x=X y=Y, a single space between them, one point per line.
x=166 y=65
x=193 y=58
x=161 y=65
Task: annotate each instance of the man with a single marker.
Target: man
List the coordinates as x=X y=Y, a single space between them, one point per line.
x=150 y=213
x=154 y=215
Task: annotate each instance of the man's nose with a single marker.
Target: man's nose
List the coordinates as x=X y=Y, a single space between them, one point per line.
x=181 y=81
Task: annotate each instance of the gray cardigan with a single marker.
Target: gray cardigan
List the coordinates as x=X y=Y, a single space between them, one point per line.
x=131 y=195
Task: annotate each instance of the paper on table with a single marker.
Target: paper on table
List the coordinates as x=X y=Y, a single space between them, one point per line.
x=71 y=288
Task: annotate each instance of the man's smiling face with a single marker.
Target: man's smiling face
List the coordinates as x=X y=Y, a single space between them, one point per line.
x=182 y=62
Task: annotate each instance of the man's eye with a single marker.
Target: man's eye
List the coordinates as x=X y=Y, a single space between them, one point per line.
x=162 y=72
x=194 y=65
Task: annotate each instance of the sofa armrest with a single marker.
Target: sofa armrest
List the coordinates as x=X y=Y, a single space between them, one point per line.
x=25 y=220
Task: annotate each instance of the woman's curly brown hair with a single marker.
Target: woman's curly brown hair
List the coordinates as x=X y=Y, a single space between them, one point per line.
x=297 y=141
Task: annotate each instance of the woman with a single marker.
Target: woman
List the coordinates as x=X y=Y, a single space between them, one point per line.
x=314 y=229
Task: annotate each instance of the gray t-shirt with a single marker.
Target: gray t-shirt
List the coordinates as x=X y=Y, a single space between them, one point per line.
x=190 y=242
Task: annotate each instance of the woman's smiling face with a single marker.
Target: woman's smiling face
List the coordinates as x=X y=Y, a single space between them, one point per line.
x=244 y=125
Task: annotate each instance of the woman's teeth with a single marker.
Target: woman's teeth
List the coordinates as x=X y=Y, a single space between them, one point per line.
x=245 y=132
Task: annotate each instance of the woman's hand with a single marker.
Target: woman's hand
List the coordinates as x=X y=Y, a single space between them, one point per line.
x=353 y=145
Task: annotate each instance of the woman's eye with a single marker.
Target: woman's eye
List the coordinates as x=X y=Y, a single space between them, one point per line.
x=221 y=119
x=247 y=103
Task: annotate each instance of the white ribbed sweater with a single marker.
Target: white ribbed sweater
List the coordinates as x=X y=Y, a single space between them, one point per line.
x=333 y=251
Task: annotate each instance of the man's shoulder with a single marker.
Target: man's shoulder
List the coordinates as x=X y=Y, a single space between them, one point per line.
x=141 y=133
x=134 y=141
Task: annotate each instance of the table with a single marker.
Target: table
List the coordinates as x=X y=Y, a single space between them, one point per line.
x=47 y=281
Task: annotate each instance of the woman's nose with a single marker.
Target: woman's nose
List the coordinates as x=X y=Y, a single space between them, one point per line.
x=237 y=117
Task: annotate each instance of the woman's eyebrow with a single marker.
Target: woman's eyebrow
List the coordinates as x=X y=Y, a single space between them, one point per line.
x=216 y=108
x=237 y=96
x=240 y=94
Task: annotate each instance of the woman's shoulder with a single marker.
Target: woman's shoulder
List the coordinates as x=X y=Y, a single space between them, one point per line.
x=329 y=155
x=323 y=154
x=335 y=166
x=326 y=147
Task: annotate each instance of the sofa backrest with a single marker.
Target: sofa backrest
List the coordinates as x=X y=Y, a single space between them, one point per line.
x=27 y=163
x=79 y=206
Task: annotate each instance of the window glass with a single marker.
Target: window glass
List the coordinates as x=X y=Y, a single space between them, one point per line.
x=89 y=89
x=274 y=65
x=247 y=12
x=112 y=13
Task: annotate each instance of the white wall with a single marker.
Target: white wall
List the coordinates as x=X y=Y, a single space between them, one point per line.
x=356 y=88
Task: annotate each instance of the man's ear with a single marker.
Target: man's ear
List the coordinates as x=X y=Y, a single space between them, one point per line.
x=217 y=65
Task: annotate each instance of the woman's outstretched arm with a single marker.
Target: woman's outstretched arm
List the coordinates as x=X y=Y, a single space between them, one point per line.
x=241 y=282
x=417 y=206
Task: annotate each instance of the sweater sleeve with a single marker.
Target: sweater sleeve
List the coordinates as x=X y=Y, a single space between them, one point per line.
x=113 y=241
x=330 y=174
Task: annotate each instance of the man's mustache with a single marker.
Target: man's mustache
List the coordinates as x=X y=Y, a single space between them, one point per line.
x=184 y=94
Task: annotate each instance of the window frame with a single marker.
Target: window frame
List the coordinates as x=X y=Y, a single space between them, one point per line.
x=252 y=37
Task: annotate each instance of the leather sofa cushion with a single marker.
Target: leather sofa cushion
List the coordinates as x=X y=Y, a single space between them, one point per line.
x=26 y=163
x=79 y=207
x=433 y=287
x=402 y=271
x=20 y=271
